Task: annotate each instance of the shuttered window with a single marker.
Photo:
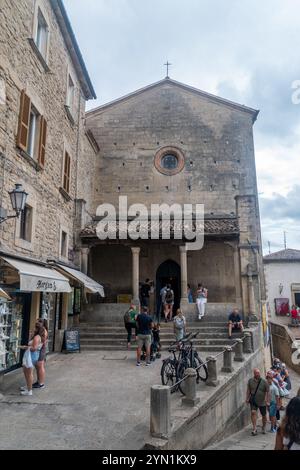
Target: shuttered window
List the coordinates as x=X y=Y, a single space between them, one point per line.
x=66 y=175
x=32 y=131
x=24 y=121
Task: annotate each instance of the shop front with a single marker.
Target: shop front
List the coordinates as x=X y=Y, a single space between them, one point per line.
x=28 y=290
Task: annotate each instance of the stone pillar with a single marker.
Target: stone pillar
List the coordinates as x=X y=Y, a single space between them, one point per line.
x=251 y=296
x=227 y=361
x=84 y=260
x=247 y=344
x=160 y=411
x=212 y=380
x=239 y=356
x=190 y=398
x=237 y=275
x=135 y=274
x=184 y=278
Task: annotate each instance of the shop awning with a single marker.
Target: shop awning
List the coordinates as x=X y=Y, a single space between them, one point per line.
x=4 y=295
x=36 y=278
x=91 y=286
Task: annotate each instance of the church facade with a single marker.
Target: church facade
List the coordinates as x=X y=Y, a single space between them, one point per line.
x=170 y=143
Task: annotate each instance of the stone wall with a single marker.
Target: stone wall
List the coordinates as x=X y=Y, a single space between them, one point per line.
x=282 y=345
x=215 y=139
x=221 y=412
x=21 y=69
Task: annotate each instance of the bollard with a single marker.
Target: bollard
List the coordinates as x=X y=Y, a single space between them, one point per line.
x=212 y=380
x=247 y=345
x=239 y=356
x=227 y=360
x=190 y=398
x=160 y=411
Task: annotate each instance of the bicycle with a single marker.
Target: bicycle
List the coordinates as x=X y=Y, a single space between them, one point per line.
x=173 y=368
x=169 y=367
x=191 y=359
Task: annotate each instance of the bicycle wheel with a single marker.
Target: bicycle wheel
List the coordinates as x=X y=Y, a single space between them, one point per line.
x=168 y=373
x=182 y=366
x=202 y=372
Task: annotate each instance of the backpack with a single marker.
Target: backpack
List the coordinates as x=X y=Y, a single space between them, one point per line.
x=169 y=296
x=127 y=317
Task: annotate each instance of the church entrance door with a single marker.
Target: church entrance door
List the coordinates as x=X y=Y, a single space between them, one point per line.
x=168 y=273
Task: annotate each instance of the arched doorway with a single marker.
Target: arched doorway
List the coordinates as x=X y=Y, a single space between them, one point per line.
x=169 y=273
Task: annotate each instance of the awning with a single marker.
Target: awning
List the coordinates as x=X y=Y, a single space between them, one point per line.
x=4 y=295
x=36 y=278
x=90 y=285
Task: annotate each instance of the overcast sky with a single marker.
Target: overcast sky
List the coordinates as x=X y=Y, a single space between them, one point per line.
x=247 y=51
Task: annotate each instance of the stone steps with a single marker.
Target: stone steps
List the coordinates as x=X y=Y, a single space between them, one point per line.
x=213 y=336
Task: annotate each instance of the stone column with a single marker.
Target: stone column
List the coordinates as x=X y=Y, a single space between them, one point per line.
x=135 y=274
x=227 y=361
x=160 y=411
x=212 y=380
x=247 y=342
x=84 y=259
x=239 y=356
x=184 y=278
x=190 y=388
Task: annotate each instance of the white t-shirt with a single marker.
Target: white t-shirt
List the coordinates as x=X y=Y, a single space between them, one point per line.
x=286 y=442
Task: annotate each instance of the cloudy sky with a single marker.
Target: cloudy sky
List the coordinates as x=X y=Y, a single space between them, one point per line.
x=247 y=51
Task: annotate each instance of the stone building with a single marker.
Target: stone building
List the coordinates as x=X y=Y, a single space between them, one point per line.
x=44 y=86
x=282 y=274
x=171 y=143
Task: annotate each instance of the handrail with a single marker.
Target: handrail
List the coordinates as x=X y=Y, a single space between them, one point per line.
x=203 y=364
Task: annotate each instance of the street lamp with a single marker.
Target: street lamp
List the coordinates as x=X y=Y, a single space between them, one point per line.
x=18 y=200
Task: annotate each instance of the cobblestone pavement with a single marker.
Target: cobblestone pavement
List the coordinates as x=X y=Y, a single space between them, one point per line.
x=243 y=440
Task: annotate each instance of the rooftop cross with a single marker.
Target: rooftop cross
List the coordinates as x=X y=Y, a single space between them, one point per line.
x=167 y=65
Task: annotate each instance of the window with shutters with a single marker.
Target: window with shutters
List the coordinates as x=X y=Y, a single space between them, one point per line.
x=66 y=174
x=26 y=223
x=32 y=131
x=42 y=34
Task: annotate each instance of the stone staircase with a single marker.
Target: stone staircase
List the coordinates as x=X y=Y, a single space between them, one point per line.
x=213 y=336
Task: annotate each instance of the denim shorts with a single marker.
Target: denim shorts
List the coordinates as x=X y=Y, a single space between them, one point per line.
x=35 y=357
x=272 y=409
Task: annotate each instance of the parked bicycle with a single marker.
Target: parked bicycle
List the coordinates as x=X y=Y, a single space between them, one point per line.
x=184 y=356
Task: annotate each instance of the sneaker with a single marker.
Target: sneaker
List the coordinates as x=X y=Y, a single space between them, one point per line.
x=38 y=385
x=254 y=433
x=263 y=431
x=26 y=393
x=148 y=363
x=273 y=430
x=138 y=364
x=23 y=389
x=199 y=317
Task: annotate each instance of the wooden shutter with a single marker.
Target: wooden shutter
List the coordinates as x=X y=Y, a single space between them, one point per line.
x=24 y=119
x=67 y=167
x=42 y=142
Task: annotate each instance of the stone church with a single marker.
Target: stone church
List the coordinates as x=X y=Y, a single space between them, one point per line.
x=171 y=143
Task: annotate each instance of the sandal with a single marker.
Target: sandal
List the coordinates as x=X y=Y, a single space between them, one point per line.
x=254 y=433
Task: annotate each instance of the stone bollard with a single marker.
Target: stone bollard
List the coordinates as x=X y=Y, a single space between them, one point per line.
x=247 y=345
x=239 y=356
x=160 y=411
x=227 y=360
x=190 y=398
x=212 y=380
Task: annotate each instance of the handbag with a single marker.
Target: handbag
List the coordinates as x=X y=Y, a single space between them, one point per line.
x=27 y=361
x=252 y=397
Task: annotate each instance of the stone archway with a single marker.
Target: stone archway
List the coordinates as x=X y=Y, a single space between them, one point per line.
x=169 y=273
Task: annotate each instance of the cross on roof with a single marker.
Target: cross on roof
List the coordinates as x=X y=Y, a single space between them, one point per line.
x=167 y=65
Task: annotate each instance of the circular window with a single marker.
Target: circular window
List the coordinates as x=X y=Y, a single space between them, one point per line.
x=169 y=161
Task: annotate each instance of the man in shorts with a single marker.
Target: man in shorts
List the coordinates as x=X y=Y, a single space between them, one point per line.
x=144 y=324
x=258 y=397
x=235 y=322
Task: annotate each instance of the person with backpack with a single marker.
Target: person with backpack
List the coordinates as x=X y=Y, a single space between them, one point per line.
x=179 y=325
x=130 y=323
x=168 y=302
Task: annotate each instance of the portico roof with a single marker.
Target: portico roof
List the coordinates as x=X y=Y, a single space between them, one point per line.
x=221 y=226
